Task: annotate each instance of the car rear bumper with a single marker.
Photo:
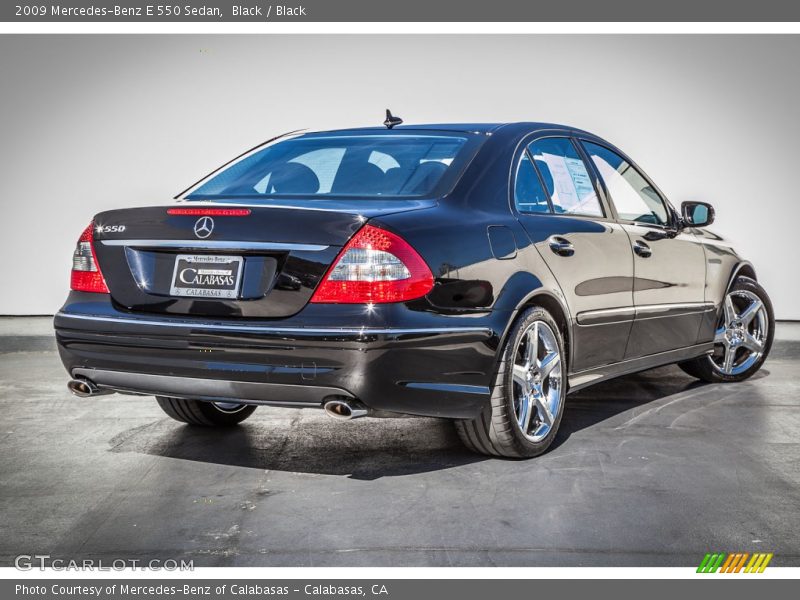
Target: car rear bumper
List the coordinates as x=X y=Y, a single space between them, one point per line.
x=213 y=390
x=430 y=370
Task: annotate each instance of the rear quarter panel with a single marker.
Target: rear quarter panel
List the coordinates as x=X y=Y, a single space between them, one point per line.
x=453 y=239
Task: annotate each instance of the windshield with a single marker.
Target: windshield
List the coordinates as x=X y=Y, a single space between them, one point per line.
x=401 y=165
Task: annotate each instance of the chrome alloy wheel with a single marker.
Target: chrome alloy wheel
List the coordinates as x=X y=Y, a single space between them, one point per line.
x=229 y=407
x=741 y=334
x=536 y=380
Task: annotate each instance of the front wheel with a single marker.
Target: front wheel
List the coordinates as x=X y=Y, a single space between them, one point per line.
x=209 y=414
x=527 y=401
x=743 y=337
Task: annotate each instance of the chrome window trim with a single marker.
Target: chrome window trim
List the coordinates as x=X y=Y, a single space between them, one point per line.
x=609 y=214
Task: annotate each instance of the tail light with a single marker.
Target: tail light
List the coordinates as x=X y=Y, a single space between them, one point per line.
x=376 y=266
x=86 y=274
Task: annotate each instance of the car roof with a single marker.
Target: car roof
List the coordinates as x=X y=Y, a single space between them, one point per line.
x=476 y=128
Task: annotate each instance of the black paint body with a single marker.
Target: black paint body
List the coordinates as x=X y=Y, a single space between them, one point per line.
x=436 y=355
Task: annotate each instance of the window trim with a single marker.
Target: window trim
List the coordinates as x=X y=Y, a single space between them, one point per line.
x=526 y=154
x=671 y=224
x=533 y=136
x=589 y=172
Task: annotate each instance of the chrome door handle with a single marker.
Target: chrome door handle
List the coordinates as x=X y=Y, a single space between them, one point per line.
x=642 y=249
x=560 y=245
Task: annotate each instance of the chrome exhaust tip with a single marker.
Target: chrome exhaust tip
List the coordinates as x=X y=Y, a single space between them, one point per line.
x=345 y=410
x=83 y=388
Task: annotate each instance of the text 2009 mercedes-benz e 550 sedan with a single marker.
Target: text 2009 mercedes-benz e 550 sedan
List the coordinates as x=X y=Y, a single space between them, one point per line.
x=477 y=272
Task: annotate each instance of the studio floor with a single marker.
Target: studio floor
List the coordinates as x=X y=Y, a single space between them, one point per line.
x=654 y=469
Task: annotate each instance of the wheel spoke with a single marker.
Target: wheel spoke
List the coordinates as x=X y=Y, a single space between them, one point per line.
x=730 y=354
x=719 y=336
x=548 y=364
x=750 y=312
x=536 y=386
x=532 y=345
x=730 y=310
x=544 y=410
x=519 y=374
x=751 y=343
x=524 y=416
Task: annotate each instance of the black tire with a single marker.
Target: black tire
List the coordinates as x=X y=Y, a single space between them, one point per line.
x=207 y=414
x=704 y=368
x=496 y=432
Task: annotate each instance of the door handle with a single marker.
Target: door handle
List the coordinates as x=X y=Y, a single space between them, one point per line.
x=560 y=245
x=642 y=249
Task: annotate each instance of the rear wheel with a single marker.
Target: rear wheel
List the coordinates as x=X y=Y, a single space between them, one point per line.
x=198 y=412
x=743 y=338
x=527 y=400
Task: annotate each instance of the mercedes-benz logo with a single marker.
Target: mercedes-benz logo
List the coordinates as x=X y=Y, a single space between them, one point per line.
x=204 y=227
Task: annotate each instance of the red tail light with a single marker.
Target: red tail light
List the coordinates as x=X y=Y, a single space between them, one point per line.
x=376 y=266
x=86 y=274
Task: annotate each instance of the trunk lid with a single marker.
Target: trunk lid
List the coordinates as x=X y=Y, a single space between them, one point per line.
x=258 y=261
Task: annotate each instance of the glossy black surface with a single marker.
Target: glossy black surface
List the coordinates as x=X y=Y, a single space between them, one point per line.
x=629 y=295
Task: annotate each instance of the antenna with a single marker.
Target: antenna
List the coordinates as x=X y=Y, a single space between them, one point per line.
x=391 y=120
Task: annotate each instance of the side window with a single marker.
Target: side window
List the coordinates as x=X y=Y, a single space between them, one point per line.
x=633 y=197
x=566 y=177
x=529 y=196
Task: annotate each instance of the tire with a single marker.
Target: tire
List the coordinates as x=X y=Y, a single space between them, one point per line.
x=736 y=335
x=497 y=431
x=208 y=414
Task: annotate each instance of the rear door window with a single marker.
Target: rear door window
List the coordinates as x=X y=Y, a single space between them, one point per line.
x=529 y=195
x=568 y=182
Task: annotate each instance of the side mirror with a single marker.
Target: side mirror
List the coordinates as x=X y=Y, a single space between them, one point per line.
x=697 y=214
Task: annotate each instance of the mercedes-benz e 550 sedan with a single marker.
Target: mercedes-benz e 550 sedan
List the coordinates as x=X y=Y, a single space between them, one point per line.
x=475 y=272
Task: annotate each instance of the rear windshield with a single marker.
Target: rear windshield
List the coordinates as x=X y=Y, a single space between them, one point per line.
x=386 y=165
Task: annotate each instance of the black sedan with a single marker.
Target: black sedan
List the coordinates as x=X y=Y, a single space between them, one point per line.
x=475 y=272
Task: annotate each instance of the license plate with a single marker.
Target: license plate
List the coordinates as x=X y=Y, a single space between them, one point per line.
x=201 y=276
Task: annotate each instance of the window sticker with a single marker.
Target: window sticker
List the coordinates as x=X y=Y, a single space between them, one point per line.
x=564 y=193
x=573 y=189
x=580 y=178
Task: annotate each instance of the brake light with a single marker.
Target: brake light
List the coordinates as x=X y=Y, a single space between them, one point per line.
x=209 y=212
x=86 y=274
x=376 y=266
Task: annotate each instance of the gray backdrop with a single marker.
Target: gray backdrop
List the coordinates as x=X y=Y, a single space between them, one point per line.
x=95 y=122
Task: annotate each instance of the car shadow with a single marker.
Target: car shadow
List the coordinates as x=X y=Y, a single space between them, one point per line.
x=367 y=449
x=602 y=401
x=308 y=442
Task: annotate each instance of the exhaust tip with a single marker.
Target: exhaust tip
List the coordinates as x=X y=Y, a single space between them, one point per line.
x=80 y=388
x=83 y=388
x=344 y=410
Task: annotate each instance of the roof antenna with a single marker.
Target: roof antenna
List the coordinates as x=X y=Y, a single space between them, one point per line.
x=391 y=120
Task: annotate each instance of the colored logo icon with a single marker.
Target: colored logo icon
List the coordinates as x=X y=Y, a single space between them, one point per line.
x=737 y=562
